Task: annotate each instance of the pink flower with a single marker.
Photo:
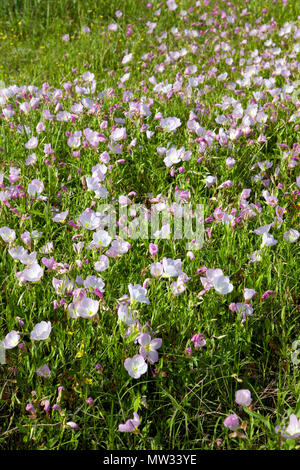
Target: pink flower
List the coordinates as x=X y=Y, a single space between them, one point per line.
x=112 y=27
x=172 y=5
x=243 y=397
x=231 y=422
x=198 y=340
x=131 y=424
x=267 y=294
x=72 y=425
x=35 y=187
x=156 y=269
x=148 y=347
x=90 y=401
x=153 y=249
x=230 y=162
x=46 y=404
x=119 y=134
x=44 y=371
x=30 y=408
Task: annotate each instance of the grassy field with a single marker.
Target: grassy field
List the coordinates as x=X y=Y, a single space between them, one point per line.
x=85 y=92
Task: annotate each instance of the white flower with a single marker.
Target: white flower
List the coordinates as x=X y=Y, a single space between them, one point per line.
x=118 y=247
x=73 y=309
x=32 y=274
x=170 y=124
x=41 y=331
x=156 y=269
x=125 y=77
x=35 y=187
x=249 y=293
x=291 y=235
x=255 y=257
x=293 y=429
x=118 y=134
x=36 y=235
x=7 y=234
x=268 y=240
x=93 y=282
x=127 y=58
x=89 y=220
x=178 y=287
x=210 y=180
x=135 y=366
x=101 y=238
x=93 y=183
x=243 y=397
x=138 y=293
x=164 y=232
x=99 y=171
x=28 y=259
x=74 y=141
x=61 y=217
x=32 y=143
x=263 y=229
x=92 y=137
x=87 y=308
x=102 y=264
x=125 y=316
x=172 y=157
x=18 y=253
x=11 y=340
x=215 y=278
x=222 y=284
x=172 y=268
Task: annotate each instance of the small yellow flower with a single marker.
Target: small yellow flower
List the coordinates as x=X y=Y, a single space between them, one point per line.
x=81 y=351
x=89 y=381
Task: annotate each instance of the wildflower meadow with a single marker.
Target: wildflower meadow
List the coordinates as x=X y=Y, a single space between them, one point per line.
x=149 y=225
